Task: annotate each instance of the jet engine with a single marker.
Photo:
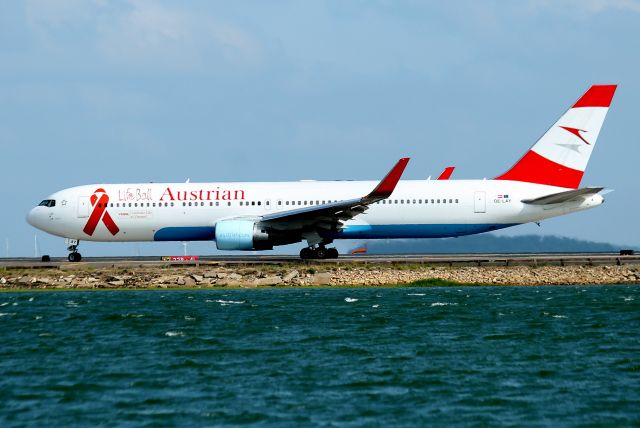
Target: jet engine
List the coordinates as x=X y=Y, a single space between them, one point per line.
x=241 y=235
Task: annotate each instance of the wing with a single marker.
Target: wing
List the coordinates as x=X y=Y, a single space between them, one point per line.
x=558 y=198
x=314 y=223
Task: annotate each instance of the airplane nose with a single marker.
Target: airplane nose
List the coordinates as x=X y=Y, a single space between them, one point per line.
x=32 y=218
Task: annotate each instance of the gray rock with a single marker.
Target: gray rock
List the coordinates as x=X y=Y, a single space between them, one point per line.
x=188 y=281
x=210 y=274
x=162 y=279
x=222 y=275
x=197 y=278
x=234 y=277
x=25 y=280
x=116 y=283
x=180 y=280
x=323 y=278
x=269 y=280
x=288 y=277
x=3 y=280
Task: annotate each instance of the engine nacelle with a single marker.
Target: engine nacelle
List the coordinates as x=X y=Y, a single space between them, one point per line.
x=241 y=235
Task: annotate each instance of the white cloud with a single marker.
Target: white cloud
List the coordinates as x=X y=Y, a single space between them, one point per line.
x=143 y=33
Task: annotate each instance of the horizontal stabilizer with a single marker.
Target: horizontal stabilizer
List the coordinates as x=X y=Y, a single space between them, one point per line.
x=558 y=198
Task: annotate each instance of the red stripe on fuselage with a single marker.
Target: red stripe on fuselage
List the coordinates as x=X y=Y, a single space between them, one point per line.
x=597 y=96
x=533 y=168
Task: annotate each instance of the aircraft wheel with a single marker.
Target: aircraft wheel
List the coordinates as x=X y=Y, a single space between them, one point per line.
x=332 y=253
x=306 y=253
x=321 y=253
x=74 y=257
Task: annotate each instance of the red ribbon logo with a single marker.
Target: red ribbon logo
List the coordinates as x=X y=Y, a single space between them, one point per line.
x=99 y=201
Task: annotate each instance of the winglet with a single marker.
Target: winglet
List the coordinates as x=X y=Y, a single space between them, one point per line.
x=384 y=189
x=446 y=173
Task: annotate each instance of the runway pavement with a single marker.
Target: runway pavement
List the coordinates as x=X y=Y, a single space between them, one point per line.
x=527 y=259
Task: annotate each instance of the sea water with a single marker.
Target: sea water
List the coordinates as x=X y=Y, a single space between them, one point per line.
x=546 y=356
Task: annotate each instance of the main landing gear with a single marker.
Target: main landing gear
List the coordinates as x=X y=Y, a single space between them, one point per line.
x=319 y=252
x=74 y=255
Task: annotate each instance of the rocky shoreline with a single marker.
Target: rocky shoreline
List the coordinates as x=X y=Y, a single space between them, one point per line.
x=205 y=276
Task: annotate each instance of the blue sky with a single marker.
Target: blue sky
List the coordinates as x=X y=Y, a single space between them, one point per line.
x=137 y=91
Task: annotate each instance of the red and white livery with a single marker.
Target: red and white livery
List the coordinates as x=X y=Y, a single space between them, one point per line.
x=544 y=183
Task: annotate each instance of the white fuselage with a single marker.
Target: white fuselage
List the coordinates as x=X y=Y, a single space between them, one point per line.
x=190 y=211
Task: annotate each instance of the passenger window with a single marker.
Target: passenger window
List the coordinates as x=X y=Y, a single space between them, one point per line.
x=450 y=201
x=228 y=204
x=259 y=203
x=444 y=201
x=217 y=204
x=189 y=203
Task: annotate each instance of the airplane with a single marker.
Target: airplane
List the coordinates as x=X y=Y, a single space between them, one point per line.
x=249 y=216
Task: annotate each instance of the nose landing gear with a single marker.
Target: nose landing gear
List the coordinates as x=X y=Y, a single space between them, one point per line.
x=74 y=255
x=319 y=252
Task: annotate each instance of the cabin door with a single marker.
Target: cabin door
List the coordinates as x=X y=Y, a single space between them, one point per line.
x=83 y=206
x=480 y=202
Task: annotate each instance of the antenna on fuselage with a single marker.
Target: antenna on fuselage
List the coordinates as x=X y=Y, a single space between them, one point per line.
x=188 y=180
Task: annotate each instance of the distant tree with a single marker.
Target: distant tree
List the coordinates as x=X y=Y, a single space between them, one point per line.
x=487 y=243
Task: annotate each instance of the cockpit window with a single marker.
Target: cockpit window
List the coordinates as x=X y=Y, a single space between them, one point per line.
x=48 y=203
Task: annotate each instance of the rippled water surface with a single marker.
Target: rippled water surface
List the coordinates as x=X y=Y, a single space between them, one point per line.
x=355 y=357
